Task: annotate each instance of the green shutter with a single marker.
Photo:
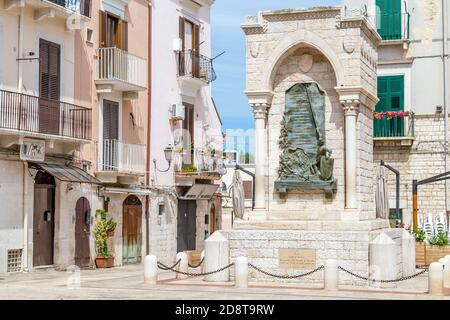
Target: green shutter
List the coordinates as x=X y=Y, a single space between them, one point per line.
x=389 y=16
x=392 y=96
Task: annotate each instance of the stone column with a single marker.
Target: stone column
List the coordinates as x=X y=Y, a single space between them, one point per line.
x=351 y=109
x=260 y=114
x=260 y=101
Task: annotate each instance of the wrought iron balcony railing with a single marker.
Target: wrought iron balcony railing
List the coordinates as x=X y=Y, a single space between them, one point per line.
x=114 y=64
x=393 y=124
x=198 y=163
x=82 y=7
x=194 y=65
x=33 y=114
x=121 y=157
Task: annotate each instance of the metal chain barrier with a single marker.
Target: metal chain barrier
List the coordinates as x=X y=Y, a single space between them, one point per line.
x=283 y=276
x=198 y=265
x=190 y=274
x=383 y=281
x=164 y=267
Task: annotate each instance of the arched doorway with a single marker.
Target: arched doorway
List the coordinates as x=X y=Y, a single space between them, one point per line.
x=43 y=219
x=131 y=230
x=82 y=232
x=212 y=219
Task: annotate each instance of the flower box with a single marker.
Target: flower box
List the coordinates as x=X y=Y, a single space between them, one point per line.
x=427 y=254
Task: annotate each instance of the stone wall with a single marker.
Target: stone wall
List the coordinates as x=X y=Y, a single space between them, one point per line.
x=424 y=159
x=351 y=249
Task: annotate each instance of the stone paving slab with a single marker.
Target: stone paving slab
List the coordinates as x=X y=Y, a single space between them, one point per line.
x=127 y=283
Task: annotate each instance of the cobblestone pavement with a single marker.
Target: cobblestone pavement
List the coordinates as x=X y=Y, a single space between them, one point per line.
x=127 y=283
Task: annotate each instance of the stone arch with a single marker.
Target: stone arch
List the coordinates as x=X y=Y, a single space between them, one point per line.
x=292 y=42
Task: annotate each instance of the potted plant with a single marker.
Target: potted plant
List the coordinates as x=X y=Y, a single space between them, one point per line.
x=104 y=258
x=110 y=227
x=419 y=235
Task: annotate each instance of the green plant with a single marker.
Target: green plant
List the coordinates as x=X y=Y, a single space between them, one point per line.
x=440 y=239
x=419 y=235
x=205 y=169
x=111 y=225
x=102 y=226
x=189 y=169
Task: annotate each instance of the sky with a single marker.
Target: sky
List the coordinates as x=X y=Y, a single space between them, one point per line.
x=227 y=35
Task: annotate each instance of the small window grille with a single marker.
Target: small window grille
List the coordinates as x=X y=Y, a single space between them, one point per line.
x=14 y=260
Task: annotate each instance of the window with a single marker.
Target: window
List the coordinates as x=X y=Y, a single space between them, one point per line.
x=188 y=134
x=389 y=19
x=391 y=95
x=189 y=61
x=113 y=31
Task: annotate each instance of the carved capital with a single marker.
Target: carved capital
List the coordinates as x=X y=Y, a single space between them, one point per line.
x=351 y=107
x=260 y=110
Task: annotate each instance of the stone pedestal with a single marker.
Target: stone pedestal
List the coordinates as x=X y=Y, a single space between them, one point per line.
x=383 y=257
x=217 y=255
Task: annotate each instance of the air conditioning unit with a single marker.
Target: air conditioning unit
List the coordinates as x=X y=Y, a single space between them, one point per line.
x=177 y=111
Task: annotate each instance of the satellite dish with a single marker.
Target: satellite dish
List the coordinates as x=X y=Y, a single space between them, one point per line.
x=238 y=195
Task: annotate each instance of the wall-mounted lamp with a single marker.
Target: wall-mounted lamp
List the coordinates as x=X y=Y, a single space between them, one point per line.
x=439 y=109
x=168 y=153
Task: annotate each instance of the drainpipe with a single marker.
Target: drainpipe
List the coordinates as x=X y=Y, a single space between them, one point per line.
x=19 y=53
x=444 y=65
x=24 y=163
x=149 y=125
x=25 y=216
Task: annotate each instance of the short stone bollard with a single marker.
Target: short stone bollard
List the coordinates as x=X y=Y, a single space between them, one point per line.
x=447 y=276
x=150 y=269
x=241 y=272
x=183 y=265
x=331 y=275
x=435 y=279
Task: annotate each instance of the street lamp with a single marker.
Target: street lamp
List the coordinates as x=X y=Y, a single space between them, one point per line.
x=168 y=153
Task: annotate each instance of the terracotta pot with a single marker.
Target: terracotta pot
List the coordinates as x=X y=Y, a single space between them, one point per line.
x=102 y=262
x=110 y=234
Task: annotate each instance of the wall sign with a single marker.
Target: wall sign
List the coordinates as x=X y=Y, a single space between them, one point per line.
x=304 y=259
x=32 y=150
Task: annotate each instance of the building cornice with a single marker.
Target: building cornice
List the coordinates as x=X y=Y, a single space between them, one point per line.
x=258 y=24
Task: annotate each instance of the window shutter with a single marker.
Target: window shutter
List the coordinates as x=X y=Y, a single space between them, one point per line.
x=110 y=120
x=181 y=57
x=390 y=24
x=124 y=35
x=182 y=21
x=103 y=29
x=53 y=70
x=196 y=36
x=44 y=77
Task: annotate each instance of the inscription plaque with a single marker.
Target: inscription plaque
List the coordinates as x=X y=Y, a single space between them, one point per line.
x=304 y=259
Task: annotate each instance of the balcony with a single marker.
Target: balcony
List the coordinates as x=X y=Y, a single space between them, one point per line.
x=22 y=114
x=394 y=27
x=118 y=70
x=194 y=71
x=197 y=165
x=393 y=127
x=120 y=162
x=55 y=8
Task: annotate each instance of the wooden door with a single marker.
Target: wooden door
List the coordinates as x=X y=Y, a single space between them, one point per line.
x=43 y=224
x=186 y=226
x=110 y=135
x=392 y=97
x=49 y=88
x=82 y=232
x=389 y=19
x=132 y=231
x=212 y=219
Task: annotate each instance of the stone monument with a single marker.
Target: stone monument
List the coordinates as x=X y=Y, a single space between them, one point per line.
x=311 y=81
